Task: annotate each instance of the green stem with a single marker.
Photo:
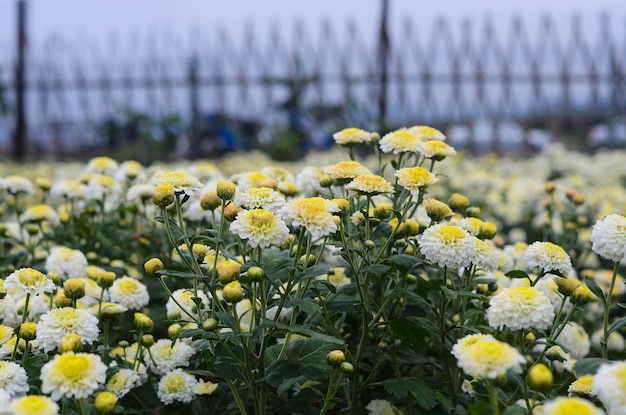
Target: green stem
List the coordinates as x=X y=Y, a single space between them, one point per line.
x=607 y=309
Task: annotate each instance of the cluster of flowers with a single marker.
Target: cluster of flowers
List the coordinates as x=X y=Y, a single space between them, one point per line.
x=100 y=302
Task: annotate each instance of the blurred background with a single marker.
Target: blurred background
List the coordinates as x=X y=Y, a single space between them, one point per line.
x=163 y=80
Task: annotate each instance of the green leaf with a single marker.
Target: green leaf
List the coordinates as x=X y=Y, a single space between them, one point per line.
x=312 y=272
x=589 y=365
x=400 y=387
x=377 y=269
x=280 y=370
x=595 y=288
x=302 y=330
x=514 y=410
x=452 y=295
x=403 y=262
x=307 y=305
x=178 y=274
x=617 y=324
x=517 y=273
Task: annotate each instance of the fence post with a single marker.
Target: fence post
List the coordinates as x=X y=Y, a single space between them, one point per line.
x=19 y=142
x=194 y=106
x=383 y=65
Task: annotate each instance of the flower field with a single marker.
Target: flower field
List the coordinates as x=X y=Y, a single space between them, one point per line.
x=390 y=275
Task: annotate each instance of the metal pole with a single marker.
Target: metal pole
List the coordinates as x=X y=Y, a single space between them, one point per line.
x=194 y=107
x=383 y=59
x=18 y=150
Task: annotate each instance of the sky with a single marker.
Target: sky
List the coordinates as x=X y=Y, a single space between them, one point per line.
x=100 y=17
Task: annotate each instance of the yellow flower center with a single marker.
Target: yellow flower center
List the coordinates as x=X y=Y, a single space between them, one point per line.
x=524 y=293
x=261 y=218
x=174 y=383
x=451 y=234
x=30 y=276
x=73 y=366
x=573 y=406
x=127 y=285
x=32 y=404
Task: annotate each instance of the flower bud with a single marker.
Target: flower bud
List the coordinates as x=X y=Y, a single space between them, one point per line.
x=153 y=265
x=335 y=358
x=60 y=300
x=226 y=190
x=28 y=331
x=64 y=217
x=556 y=353
x=230 y=212
x=143 y=323
x=105 y=402
x=256 y=273
x=210 y=200
x=488 y=230
x=209 y=324
x=232 y=292
x=105 y=279
x=549 y=187
x=163 y=195
x=383 y=211
x=269 y=183
x=308 y=260
x=344 y=206
x=326 y=181
x=437 y=210
x=582 y=295
x=412 y=227
x=472 y=212
x=173 y=330
x=174 y=315
x=369 y=244
x=567 y=285
x=458 y=202
x=71 y=343
x=201 y=250
x=228 y=271
x=346 y=367
x=43 y=183
x=289 y=189
x=147 y=340
x=31 y=229
x=540 y=377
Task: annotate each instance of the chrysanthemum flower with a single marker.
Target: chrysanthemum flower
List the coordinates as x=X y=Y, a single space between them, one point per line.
x=140 y=191
x=123 y=381
x=426 y=133
x=102 y=186
x=17 y=185
x=608 y=385
x=59 y=322
x=484 y=357
x=472 y=225
x=485 y=255
x=575 y=339
x=414 y=179
x=346 y=170
x=570 y=406
x=68 y=190
x=581 y=387
x=166 y=355
x=128 y=171
x=40 y=213
x=177 y=386
x=13 y=379
x=73 y=375
x=608 y=237
x=6 y=333
x=107 y=308
x=129 y=293
x=102 y=165
x=548 y=286
x=313 y=213
x=447 y=245
x=260 y=198
x=370 y=184
x=183 y=182
x=206 y=388
x=352 y=136
x=520 y=308
x=435 y=149
x=205 y=171
x=382 y=407
x=67 y=262
x=336 y=276
x=34 y=405
x=29 y=281
x=548 y=257
x=183 y=297
x=399 y=141
x=260 y=227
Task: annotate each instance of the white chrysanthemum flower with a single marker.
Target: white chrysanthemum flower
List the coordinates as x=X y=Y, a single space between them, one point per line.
x=472 y=225
x=447 y=245
x=205 y=171
x=427 y=133
x=608 y=385
x=313 y=213
x=570 y=406
x=59 y=322
x=520 y=308
x=382 y=407
x=485 y=255
x=123 y=381
x=13 y=379
x=40 y=213
x=129 y=293
x=102 y=165
x=177 y=386
x=29 y=281
x=6 y=332
x=13 y=304
x=260 y=227
x=102 y=186
x=548 y=257
x=33 y=405
x=166 y=355
x=183 y=297
x=183 y=183
x=435 y=149
x=140 y=191
x=130 y=171
x=346 y=170
x=575 y=339
x=608 y=237
x=106 y=308
x=415 y=178
x=582 y=386
x=399 y=141
x=352 y=136
x=615 y=342
x=370 y=184
x=260 y=198
x=72 y=375
x=16 y=185
x=336 y=276
x=308 y=180
x=484 y=357
x=69 y=190
x=67 y=262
